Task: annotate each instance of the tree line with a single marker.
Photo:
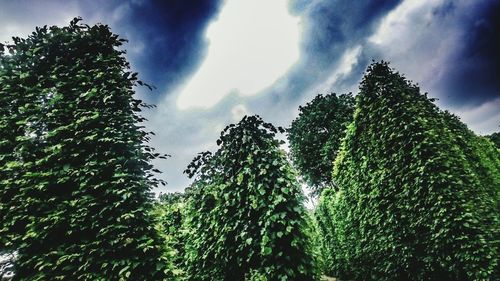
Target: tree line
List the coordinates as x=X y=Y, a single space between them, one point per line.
x=405 y=190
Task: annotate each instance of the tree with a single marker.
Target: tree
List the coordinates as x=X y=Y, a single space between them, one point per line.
x=315 y=137
x=410 y=205
x=76 y=172
x=245 y=210
x=495 y=138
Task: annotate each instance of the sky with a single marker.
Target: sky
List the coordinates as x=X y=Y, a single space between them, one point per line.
x=214 y=61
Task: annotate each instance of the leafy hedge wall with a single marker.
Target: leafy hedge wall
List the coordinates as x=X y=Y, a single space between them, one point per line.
x=332 y=263
x=245 y=212
x=169 y=212
x=76 y=173
x=417 y=200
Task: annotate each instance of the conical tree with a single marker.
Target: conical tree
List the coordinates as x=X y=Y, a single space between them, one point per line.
x=410 y=206
x=82 y=169
x=245 y=211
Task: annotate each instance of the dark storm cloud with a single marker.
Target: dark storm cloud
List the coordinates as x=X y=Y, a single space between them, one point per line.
x=330 y=28
x=473 y=74
x=172 y=33
x=166 y=38
x=448 y=47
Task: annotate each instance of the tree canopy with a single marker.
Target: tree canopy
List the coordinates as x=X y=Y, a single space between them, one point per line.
x=315 y=137
x=76 y=173
x=245 y=211
x=411 y=203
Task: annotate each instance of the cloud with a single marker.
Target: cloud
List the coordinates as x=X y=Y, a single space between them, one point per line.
x=246 y=52
x=483 y=119
x=472 y=74
x=402 y=18
x=417 y=41
x=185 y=133
x=329 y=29
x=450 y=47
x=166 y=38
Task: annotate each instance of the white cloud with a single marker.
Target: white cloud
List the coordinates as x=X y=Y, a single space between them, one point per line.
x=252 y=44
x=483 y=119
x=410 y=35
x=399 y=20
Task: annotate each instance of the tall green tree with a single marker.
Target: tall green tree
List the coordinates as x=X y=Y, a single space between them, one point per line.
x=410 y=205
x=245 y=213
x=315 y=137
x=76 y=172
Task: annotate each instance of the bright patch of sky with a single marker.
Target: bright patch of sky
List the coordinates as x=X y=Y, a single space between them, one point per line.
x=251 y=45
x=398 y=21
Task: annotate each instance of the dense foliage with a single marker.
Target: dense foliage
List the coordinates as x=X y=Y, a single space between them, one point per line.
x=414 y=194
x=245 y=212
x=495 y=138
x=75 y=172
x=332 y=263
x=315 y=137
x=412 y=202
x=169 y=212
